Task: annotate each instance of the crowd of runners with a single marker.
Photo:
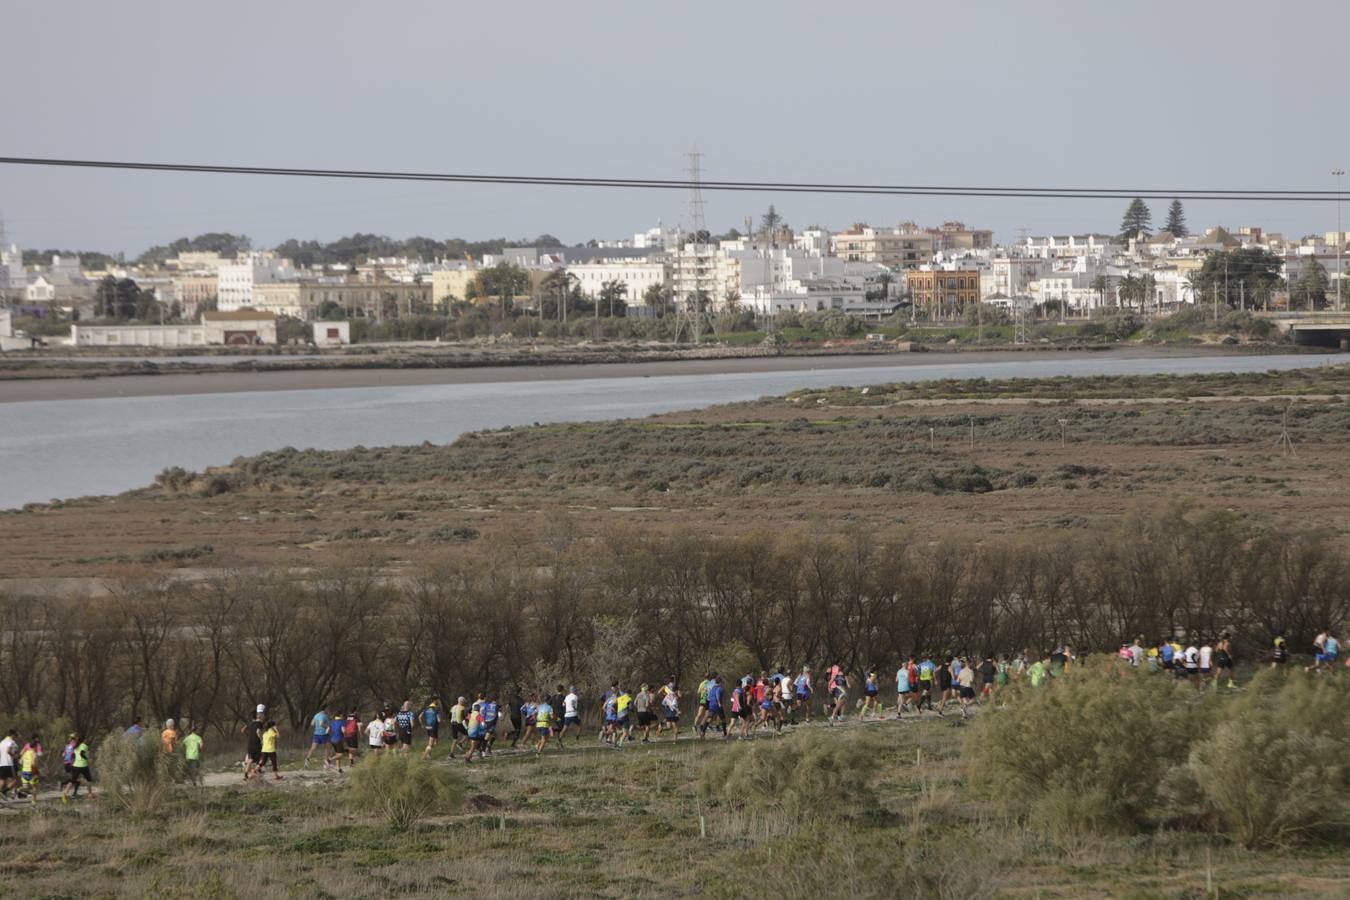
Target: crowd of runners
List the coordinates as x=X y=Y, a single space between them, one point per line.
x=735 y=707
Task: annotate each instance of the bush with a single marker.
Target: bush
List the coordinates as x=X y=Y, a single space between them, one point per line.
x=824 y=775
x=403 y=789
x=1085 y=753
x=136 y=772
x=1275 y=767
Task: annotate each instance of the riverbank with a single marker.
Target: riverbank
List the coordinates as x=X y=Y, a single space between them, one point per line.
x=148 y=379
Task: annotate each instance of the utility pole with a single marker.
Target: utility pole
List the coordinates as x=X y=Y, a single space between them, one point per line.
x=1340 y=238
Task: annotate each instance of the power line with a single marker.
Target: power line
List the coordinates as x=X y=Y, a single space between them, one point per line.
x=669 y=184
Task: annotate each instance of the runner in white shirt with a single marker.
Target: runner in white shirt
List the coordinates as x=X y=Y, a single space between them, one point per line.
x=375 y=732
x=1206 y=664
x=9 y=747
x=1191 y=662
x=571 y=719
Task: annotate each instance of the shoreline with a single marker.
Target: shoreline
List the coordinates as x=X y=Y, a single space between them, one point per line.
x=191 y=381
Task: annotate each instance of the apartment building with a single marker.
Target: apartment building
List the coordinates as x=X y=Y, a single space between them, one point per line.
x=196 y=292
x=955 y=235
x=906 y=247
x=235 y=280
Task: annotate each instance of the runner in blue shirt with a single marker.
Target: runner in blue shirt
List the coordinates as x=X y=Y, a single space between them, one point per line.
x=319 y=738
x=716 y=712
x=431 y=721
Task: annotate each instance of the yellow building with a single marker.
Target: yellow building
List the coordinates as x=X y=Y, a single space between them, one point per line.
x=196 y=292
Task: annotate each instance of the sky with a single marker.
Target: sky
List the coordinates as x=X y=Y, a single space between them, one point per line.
x=1151 y=94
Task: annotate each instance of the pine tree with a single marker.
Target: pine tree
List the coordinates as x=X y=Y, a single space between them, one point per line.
x=1137 y=220
x=1176 y=220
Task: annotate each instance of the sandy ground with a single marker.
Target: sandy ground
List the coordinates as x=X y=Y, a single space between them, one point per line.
x=293 y=380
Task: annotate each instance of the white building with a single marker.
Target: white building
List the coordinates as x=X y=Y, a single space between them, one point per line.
x=826 y=294
x=137 y=335
x=661 y=237
x=234 y=289
x=637 y=276
x=1011 y=276
x=706 y=268
x=1057 y=246
x=331 y=334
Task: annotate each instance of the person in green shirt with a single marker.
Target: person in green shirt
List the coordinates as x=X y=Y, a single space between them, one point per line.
x=1038 y=672
x=192 y=750
x=79 y=768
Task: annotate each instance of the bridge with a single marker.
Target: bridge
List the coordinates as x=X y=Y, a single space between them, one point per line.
x=1324 y=329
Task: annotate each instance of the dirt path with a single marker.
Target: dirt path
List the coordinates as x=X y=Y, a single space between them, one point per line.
x=294 y=777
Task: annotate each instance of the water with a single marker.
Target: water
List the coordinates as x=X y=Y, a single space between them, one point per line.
x=72 y=448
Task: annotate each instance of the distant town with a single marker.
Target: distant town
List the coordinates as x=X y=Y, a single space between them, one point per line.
x=219 y=290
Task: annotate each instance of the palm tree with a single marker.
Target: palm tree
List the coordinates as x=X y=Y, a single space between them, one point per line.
x=1101 y=284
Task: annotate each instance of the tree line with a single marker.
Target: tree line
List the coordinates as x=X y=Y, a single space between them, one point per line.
x=554 y=606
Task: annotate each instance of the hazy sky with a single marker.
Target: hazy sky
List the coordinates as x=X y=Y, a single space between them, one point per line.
x=1151 y=94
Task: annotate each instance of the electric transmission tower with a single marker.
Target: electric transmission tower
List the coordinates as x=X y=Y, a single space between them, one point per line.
x=692 y=311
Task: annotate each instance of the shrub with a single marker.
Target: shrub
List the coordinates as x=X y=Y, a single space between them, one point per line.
x=136 y=772
x=1086 y=752
x=1275 y=767
x=824 y=775
x=403 y=789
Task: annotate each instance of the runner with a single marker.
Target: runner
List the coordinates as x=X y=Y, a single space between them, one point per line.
x=404 y=722
x=802 y=688
x=1279 y=654
x=319 y=737
x=375 y=733
x=1223 y=662
x=29 y=773
x=9 y=752
x=68 y=764
x=524 y=721
x=168 y=738
x=557 y=702
x=1206 y=665
x=740 y=708
x=253 y=753
x=1327 y=649
x=351 y=736
x=902 y=687
x=543 y=722
x=945 y=683
x=431 y=723
x=926 y=686
x=787 y=704
x=1190 y=664
x=1038 y=671
x=966 y=687
x=1137 y=652
x=871 y=694
x=270 y=737
x=643 y=705
x=716 y=710
x=1004 y=673
x=390 y=734
x=336 y=740
x=79 y=769
x=457 y=729
x=476 y=732
x=623 y=706
x=516 y=714
x=701 y=714
x=988 y=670
x=571 y=715
x=608 y=733
x=192 y=752
x=670 y=708
x=489 y=711
x=838 y=693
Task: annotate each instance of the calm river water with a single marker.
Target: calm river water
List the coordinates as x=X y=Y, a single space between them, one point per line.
x=71 y=448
